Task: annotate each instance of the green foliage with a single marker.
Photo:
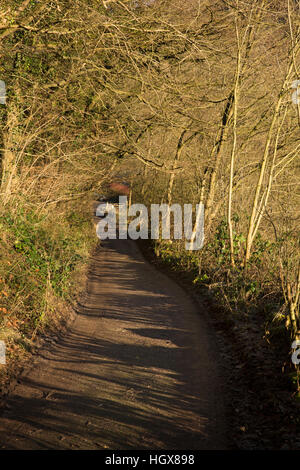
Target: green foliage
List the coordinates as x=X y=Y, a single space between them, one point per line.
x=45 y=256
x=220 y=247
x=260 y=249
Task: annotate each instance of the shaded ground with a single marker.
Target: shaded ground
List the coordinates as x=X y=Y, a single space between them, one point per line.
x=262 y=410
x=136 y=370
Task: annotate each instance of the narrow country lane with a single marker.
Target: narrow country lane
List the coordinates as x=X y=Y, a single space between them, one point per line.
x=136 y=369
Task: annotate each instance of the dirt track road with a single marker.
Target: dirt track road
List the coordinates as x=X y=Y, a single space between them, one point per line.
x=136 y=369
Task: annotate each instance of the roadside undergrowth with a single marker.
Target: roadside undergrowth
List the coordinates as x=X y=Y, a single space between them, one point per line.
x=248 y=299
x=43 y=260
